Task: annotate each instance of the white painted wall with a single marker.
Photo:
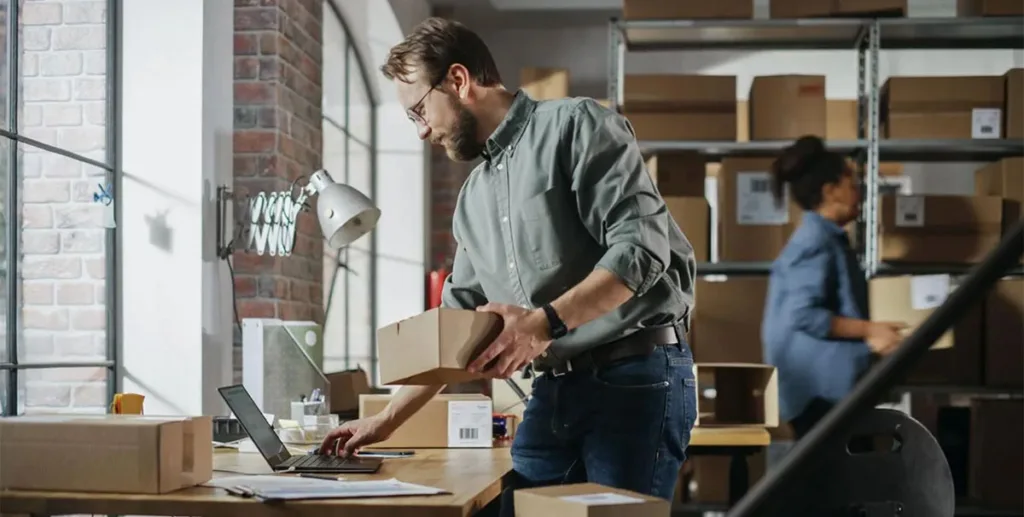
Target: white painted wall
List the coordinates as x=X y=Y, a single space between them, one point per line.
x=177 y=139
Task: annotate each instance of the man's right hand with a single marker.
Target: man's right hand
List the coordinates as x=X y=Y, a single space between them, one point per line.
x=885 y=336
x=347 y=438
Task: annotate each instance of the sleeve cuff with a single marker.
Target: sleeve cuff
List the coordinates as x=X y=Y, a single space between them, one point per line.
x=816 y=322
x=634 y=266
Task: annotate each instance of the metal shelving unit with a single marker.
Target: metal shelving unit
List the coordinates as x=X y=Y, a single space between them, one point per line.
x=869 y=37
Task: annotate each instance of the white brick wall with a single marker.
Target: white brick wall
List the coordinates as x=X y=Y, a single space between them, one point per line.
x=63 y=89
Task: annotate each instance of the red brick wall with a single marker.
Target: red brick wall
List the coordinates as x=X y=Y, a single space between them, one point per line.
x=278 y=57
x=446 y=178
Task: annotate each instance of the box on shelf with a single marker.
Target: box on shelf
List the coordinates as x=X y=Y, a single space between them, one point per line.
x=1014 y=108
x=588 y=500
x=1005 y=179
x=800 y=8
x=840 y=120
x=939 y=229
x=680 y=106
x=346 y=387
x=1004 y=334
x=996 y=464
x=967 y=107
x=707 y=477
x=911 y=300
x=737 y=394
x=887 y=8
x=751 y=226
x=434 y=347
x=446 y=421
x=693 y=215
x=727 y=320
x=127 y=454
x=545 y=83
x=678 y=173
x=784 y=107
x=968 y=8
x=661 y=10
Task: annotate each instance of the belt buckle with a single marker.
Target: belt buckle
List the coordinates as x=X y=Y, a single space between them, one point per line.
x=556 y=372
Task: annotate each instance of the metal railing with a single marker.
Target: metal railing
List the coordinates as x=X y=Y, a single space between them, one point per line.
x=764 y=497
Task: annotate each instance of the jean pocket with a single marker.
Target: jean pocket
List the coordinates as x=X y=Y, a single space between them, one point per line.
x=639 y=374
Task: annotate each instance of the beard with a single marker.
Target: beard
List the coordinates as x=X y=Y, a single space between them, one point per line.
x=460 y=144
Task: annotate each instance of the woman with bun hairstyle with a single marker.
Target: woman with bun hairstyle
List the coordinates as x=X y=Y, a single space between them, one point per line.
x=816 y=330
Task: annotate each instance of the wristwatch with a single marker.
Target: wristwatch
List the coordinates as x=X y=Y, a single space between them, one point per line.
x=556 y=327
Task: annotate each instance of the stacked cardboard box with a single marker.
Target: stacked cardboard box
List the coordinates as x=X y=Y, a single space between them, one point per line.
x=828 y=8
x=1004 y=335
x=784 y=107
x=752 y=226
x=1005 y=179
x=545 y=83
x=969 y=8
x=681 y=107
x=967 y=107
x=680 y=177
x=685 y=10
x=939 y=229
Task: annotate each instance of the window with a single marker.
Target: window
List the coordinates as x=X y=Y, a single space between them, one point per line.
x=56 y=168
x=349 y=147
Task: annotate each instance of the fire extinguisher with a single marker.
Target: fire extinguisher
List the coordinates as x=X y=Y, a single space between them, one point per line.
x=435 y=284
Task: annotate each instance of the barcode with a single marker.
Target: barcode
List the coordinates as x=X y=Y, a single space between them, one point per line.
x=469 y=433
x=987 y=129
x=759 y=186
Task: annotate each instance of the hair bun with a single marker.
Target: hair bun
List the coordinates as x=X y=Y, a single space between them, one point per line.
x=797 y=157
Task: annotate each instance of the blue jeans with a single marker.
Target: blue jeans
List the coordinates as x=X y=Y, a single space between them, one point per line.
x=626 y=425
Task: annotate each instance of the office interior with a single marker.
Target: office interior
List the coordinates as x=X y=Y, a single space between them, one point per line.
x=155 y=249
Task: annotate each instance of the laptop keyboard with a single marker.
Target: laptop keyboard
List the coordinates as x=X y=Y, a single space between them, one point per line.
x=315 y=461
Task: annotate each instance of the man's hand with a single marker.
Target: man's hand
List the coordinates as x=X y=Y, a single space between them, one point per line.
x=349 y=437
x=524 y=337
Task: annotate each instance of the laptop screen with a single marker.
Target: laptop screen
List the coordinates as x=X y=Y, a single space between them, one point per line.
x=255 y=424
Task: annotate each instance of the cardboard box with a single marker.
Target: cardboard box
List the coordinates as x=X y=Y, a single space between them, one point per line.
x=545 y=83
x=751 y=226
x=997 y=453
x=911 y=300
x=681 y=107
x=939 y=229
x=346 y=387
x=840 y=120
x=435 y=347
x=588 y=500
x=127 y=454
x=685 y=10
x=968 y=8
x=1004 y=334
x=708 y=477
x=737 y=394
x=446 y=421
x=1014 y=122
x=727 y=320
x=870 y=7
x=1005 y=179
x=968 y=107
x=678 y=174
x=799 y=8
x=785 y=107
x=693 y=215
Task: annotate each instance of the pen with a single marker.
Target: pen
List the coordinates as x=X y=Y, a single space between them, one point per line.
x=320 y=476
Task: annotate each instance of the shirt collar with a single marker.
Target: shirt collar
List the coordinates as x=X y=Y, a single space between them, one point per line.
x=511 y=128
x=811 y=217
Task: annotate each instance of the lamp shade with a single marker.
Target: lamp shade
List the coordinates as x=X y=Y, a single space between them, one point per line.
x=345 y=214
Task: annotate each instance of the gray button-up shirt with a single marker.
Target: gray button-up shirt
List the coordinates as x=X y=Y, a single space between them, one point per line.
x=563 y=189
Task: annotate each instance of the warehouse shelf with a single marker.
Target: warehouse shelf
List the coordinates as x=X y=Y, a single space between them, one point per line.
x=718 y=150
x=949 y=150
x=804 y=34
x=951 y=33
x=972 y=391
x=885 y=269
x=734 y=268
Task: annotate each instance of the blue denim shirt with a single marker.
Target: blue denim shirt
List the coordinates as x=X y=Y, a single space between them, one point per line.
x=817 y=276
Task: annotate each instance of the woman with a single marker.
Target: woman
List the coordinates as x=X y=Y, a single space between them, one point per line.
x=816 y=329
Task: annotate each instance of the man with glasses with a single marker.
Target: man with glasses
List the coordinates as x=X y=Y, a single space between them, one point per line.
x=561 y=231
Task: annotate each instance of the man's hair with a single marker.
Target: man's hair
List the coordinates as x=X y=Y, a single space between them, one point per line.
x=436 y=44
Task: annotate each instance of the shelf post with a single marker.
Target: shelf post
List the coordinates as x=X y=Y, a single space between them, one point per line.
x=872 y=216
x=616 y=58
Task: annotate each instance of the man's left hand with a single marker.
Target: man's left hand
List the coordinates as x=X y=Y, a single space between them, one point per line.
x=524 y=337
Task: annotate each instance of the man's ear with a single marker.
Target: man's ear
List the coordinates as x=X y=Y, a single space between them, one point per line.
x=461 y=80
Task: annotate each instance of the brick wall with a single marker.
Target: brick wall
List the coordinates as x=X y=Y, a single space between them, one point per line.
x=446 y=178
x=278 y=57
x=63 y=88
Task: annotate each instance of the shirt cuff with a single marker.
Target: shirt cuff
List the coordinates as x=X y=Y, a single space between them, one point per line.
x=816 y=322
x=637 y=269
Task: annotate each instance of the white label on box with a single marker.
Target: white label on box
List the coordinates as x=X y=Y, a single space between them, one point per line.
x=986 y=123
x=601 y=498
x=928 y=291
x=470 y=423
x=909 y=211
x=894 y=186
x=755 y=203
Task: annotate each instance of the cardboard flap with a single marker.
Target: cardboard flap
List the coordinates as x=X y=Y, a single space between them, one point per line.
x=737 y=394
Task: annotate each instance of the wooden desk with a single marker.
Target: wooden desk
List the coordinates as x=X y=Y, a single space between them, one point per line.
x=736 y=442
x=474 y=476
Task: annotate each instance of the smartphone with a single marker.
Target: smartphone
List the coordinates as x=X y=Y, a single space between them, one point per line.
x=385 y=454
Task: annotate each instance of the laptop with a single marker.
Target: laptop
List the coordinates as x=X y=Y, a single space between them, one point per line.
x=273 y=449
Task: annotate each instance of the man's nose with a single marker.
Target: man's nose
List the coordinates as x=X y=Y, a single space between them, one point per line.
x=423 y=130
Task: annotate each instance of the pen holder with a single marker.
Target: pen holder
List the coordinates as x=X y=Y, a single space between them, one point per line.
x=306 y=413
x=127 y=404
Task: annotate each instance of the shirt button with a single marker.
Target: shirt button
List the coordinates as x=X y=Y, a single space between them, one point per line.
x=504 y=219
x=501 y=166
x=511 y=265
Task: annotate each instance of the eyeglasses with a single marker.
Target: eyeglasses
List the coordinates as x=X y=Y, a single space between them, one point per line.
x=415 y=113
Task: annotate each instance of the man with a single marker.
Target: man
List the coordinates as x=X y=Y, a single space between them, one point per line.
x=561 y=231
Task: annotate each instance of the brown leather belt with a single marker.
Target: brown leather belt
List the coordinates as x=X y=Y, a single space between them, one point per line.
x=640 y=343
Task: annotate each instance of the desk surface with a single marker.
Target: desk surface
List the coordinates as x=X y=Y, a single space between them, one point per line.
x=730 y=437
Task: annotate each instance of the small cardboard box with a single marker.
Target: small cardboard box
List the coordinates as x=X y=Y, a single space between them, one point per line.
x=346 y=387
x=446 y=421
x=435 y=347
x=911 y=300
x=962 y=107
x=784 y=107
x=737 y=394
x=678 y=174
x=693 y=216
x=727 y=320
x=588 y=500
x=751 y=225
x=128 y=454
x=939 y=229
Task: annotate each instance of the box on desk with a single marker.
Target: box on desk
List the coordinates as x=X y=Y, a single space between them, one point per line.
x=446 y=421
x=588 y=500
x=346 y=387
x=128 y=454
x=435 y=347
x=736 y=394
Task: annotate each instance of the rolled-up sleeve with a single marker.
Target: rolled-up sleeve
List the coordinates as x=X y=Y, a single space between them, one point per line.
x=808 y=282
x=462 y=289
x=617 y=200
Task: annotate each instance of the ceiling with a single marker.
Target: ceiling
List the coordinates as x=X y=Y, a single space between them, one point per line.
x=538 y=14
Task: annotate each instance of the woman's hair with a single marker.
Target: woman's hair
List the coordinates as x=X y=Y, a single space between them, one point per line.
x=807 y=166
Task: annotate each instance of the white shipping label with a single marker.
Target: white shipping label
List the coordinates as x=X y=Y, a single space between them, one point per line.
x=894 y=185
x=909 y=211
x=470 y=423
x=986 y=123
x=755 y=203
x=928 y=291
x=601 y=498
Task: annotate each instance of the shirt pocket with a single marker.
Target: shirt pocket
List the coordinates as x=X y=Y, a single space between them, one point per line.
x=546 y=218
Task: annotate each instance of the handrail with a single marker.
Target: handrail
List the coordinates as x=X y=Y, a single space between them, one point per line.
x=768 y=493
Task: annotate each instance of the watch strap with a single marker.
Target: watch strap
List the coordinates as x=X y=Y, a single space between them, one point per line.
x=556 y=327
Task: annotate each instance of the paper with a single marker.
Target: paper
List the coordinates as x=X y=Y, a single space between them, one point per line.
x=928 y=291
x=601 y=498
x=894 y=185
x=470 y=423
x=291 y=488
x=986 y=123
x=909 y=211
x=755 y=203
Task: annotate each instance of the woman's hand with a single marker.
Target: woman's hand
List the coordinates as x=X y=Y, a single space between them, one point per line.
x=884 y=336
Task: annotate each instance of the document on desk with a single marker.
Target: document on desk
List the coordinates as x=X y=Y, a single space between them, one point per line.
x=290 y=488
